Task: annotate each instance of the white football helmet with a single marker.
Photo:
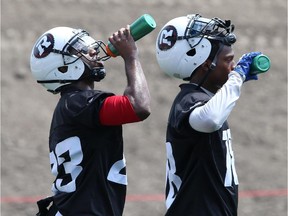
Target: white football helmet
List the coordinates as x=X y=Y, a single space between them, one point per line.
x=54 y=63
x=184 y=43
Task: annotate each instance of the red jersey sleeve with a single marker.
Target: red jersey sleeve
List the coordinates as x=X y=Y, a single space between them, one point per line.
x=117 y=110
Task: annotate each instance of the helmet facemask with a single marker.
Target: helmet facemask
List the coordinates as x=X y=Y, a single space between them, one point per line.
x=81 y=42
x=79 y=47
x=212 y=29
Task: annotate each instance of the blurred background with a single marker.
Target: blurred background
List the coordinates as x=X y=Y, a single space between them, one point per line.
x=258 y=123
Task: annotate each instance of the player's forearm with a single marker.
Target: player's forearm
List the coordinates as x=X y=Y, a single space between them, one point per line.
x=137 y=89
x=211 y=116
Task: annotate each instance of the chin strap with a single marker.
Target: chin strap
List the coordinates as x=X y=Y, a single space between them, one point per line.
x=205 y=77
x=211 y=67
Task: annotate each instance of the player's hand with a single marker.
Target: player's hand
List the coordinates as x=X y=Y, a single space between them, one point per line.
x=243 y=66
x=123 y=41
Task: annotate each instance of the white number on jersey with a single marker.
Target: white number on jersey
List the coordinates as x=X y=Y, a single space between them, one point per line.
x=68 y=154
x=230 y=161
x=114 y=174
x=173 y=180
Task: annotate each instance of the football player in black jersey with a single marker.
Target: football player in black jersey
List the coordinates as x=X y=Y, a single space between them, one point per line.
x=85 y=142
x=201 y=175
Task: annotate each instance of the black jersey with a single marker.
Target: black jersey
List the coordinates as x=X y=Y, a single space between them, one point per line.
x=201 y=176
x=86 y=157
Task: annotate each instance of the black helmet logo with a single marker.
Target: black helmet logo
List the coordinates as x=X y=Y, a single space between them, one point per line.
x=44 y=46
x=167 y=38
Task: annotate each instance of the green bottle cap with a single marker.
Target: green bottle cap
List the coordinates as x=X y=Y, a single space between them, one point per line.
x=260 y=64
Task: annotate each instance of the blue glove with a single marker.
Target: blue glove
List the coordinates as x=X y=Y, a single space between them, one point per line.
x=243 y=66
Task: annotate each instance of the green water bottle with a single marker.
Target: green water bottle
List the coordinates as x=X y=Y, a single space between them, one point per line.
x=139 y=28
x=260 y=64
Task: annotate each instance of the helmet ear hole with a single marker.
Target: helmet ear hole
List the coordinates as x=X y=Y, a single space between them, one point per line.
x=191 y=52
x=63 y=69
